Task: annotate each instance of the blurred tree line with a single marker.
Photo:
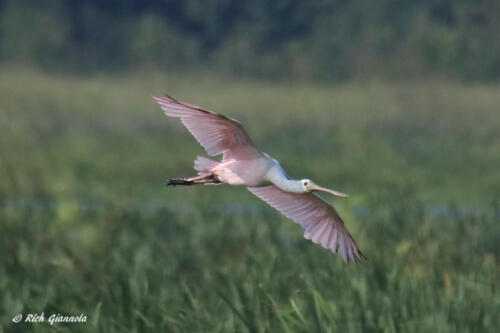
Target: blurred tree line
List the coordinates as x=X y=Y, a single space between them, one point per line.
x=323 y=39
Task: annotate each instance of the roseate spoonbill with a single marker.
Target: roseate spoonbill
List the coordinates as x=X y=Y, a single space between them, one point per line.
x=244 y=165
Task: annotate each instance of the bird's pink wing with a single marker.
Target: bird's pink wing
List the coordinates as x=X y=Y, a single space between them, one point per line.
x=218 y=134
x=320 y=220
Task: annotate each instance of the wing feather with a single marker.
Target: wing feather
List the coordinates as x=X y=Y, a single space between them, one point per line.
x=218 y=134
x=320 y=220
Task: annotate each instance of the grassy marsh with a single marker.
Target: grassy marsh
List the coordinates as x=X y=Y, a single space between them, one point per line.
x=87 y=225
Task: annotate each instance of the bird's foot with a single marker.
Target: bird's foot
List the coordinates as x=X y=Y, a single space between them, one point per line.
x=179 y=181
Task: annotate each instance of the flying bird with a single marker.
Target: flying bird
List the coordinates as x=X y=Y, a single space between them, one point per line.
x=243 y=164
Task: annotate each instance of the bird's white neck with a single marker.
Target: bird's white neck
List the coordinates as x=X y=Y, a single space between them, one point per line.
x=278 y=177
x=290 y=185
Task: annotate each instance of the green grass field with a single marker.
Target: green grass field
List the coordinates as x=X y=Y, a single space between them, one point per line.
x=88 y=226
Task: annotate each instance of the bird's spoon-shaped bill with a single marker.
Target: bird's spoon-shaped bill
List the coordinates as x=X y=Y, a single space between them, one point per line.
x=315 y=187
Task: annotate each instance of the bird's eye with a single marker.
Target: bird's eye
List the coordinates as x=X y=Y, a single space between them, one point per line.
x=305 y=183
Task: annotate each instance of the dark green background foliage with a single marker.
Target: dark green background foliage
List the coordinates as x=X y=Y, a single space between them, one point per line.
x=325 y=40
x=393 y=102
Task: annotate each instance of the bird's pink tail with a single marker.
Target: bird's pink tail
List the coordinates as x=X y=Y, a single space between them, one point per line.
x=204 y=165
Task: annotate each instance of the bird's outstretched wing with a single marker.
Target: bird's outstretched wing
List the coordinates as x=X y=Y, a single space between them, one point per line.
x=320 y=220
x=218 y=134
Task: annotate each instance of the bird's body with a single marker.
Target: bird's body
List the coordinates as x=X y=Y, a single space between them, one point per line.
x=244 y=172
x=244 y=165
x=259 y=171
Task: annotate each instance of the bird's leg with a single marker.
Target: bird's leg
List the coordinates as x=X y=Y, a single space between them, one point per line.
x=207 y=178
x=178 y=181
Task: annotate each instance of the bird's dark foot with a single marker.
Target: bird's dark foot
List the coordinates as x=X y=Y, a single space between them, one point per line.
x=204 y=179
x=179 y=181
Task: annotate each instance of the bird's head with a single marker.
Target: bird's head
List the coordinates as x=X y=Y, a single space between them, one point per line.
x=309 y=186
